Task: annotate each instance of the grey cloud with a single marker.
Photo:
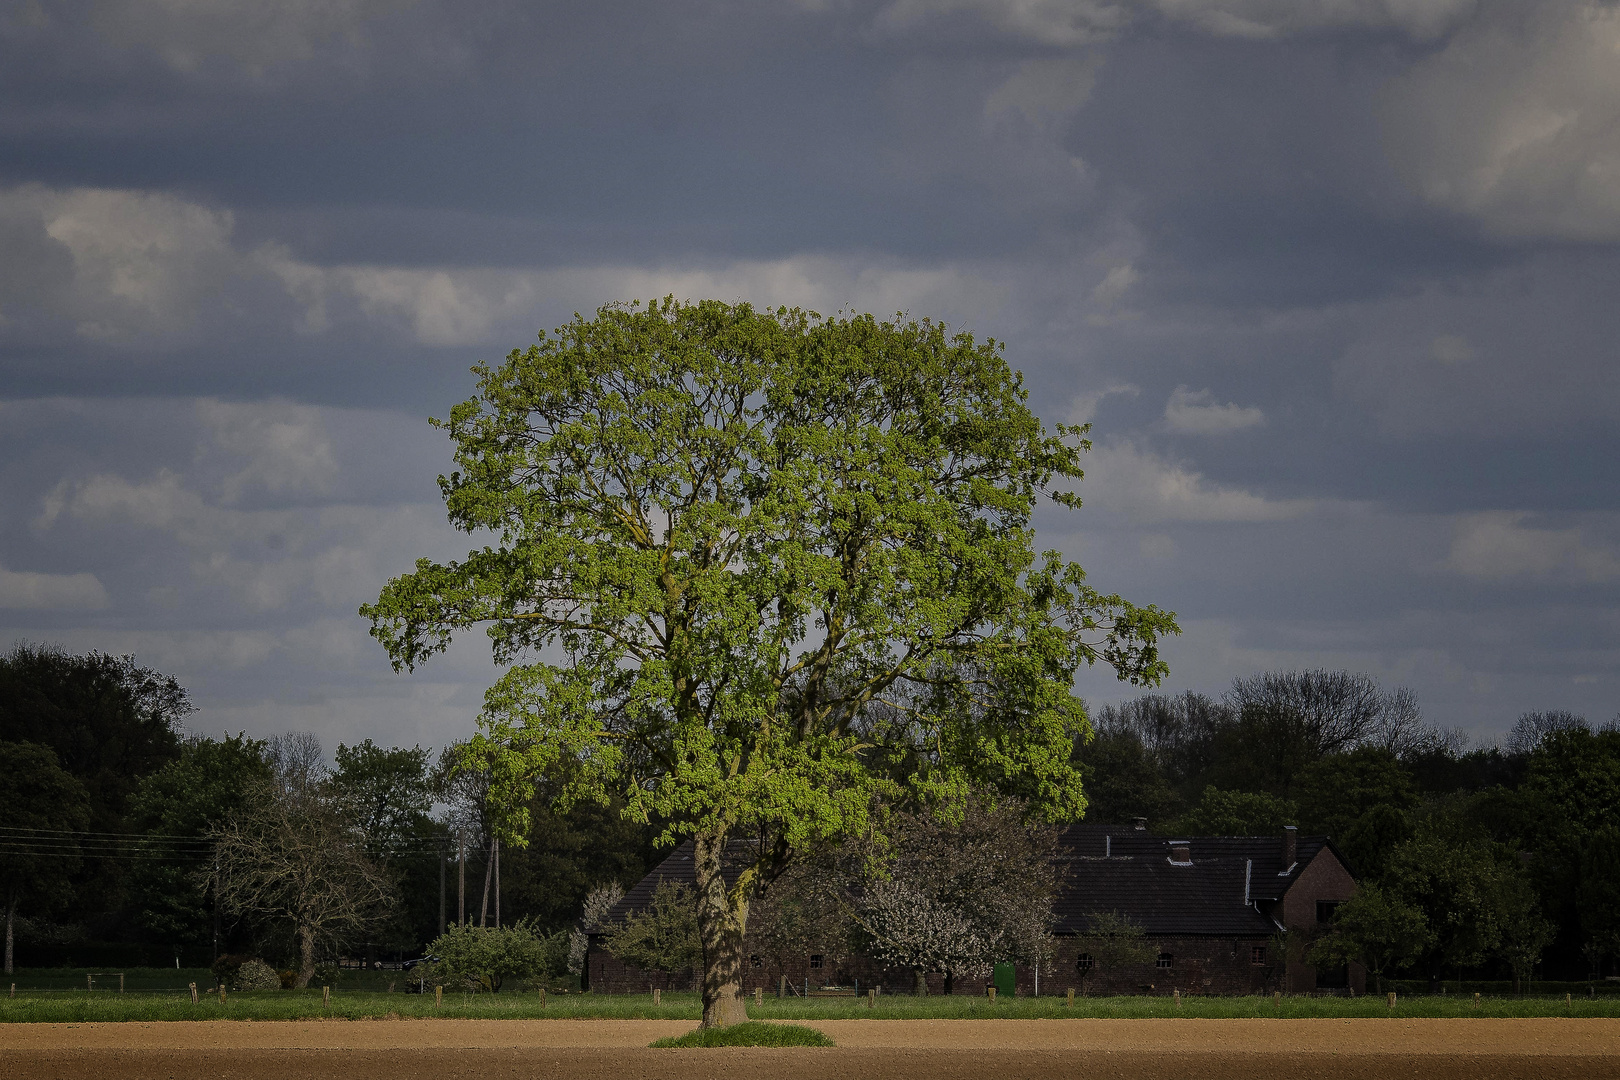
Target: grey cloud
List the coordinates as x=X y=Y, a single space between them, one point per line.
x=1508 y=545
x=1516 y=123
x=29 y=590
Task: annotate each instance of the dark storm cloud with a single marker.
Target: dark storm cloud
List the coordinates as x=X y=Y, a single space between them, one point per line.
x=1334 y=279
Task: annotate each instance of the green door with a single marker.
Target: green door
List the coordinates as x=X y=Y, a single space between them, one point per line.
x=1004 y=979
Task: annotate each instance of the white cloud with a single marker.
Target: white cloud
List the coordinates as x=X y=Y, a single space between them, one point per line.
x=26 y=590
x=1196 y=412
x=140 y=262
x=1517 y=122
x=1083 y=408
x=1498 y=545
x=1125 y=477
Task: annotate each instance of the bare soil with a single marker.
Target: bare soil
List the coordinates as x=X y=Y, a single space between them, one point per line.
x=878 y=1049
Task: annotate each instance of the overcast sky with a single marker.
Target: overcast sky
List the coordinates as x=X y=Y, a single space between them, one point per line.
x=1337 y=281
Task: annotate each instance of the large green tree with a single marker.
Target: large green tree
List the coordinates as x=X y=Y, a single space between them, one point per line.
x=42 y=810
x=755 y=570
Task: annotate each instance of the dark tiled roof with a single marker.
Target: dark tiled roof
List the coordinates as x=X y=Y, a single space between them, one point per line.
x=1205 y=898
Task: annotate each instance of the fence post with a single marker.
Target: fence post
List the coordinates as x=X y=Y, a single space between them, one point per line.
x=222 y=993
x=326 y=996
x=1177 y=994
x=120 y=982
x=438 y=996
x=781 y=989
x=193 y=988
x=658 y=996
x=990 y=991
x=1392 y=999
x=89 y=981
x=1068 y=999
x=542 y=997
x=871 y=999
x=759 y=995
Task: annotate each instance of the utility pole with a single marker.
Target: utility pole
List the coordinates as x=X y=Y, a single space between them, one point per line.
x=461 y=876
x=497 y=883
x=443 y=858
x=216 y=916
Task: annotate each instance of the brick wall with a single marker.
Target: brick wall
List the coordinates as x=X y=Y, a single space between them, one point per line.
x=1198 y=965
x=1325 y=879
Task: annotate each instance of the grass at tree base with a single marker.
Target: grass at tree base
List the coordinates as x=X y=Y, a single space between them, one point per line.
x=752 y=1033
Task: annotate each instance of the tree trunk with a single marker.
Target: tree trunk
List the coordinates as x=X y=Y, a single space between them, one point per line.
x=950 y=983
x=306 y=956
x=721 y=924
x=922 y=982
x=489 y=868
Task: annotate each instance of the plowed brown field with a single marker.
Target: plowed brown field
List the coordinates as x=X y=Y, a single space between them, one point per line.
x=876 y=1049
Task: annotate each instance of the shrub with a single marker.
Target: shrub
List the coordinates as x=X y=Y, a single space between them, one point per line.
x=327 y=975
x=479 y=957
x=257 y=975
x=289 y=978
x=226 y=967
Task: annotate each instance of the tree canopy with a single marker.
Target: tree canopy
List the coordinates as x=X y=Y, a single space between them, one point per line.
x=753 y=569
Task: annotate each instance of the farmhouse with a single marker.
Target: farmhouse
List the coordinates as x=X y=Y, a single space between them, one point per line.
x=1222 y=914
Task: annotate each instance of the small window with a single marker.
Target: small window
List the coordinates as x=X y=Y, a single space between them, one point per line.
x=755 y=961
x=816 y=959
x=1084 y=962
x=1164 y=959
x=1325 y=910
x=1257 y=954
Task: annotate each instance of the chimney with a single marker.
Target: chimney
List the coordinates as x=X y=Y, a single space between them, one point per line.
x=1141 y=824
x=1290 y=845
x=1181 y=852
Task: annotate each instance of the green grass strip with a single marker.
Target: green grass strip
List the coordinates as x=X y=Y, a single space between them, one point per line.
x=753 y=1033
x=36 y=1006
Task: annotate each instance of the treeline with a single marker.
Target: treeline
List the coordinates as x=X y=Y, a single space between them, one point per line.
x=113 y=820
x=1483 y=861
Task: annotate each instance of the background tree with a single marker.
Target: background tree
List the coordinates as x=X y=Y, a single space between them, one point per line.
x=598 y=902
x=1236 y=813
x=743 y=530
x=293 y=856
x=1111 y=942
x=1531 y=728
x=572 y=854
x=389 y=793
x=41 y=807
x=181 y=802
x=803 y=912
x=663 y=937
x=959 y=895
x=1376 y=929
x=108 y=720
x=908 y=926
x=1599 y=895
